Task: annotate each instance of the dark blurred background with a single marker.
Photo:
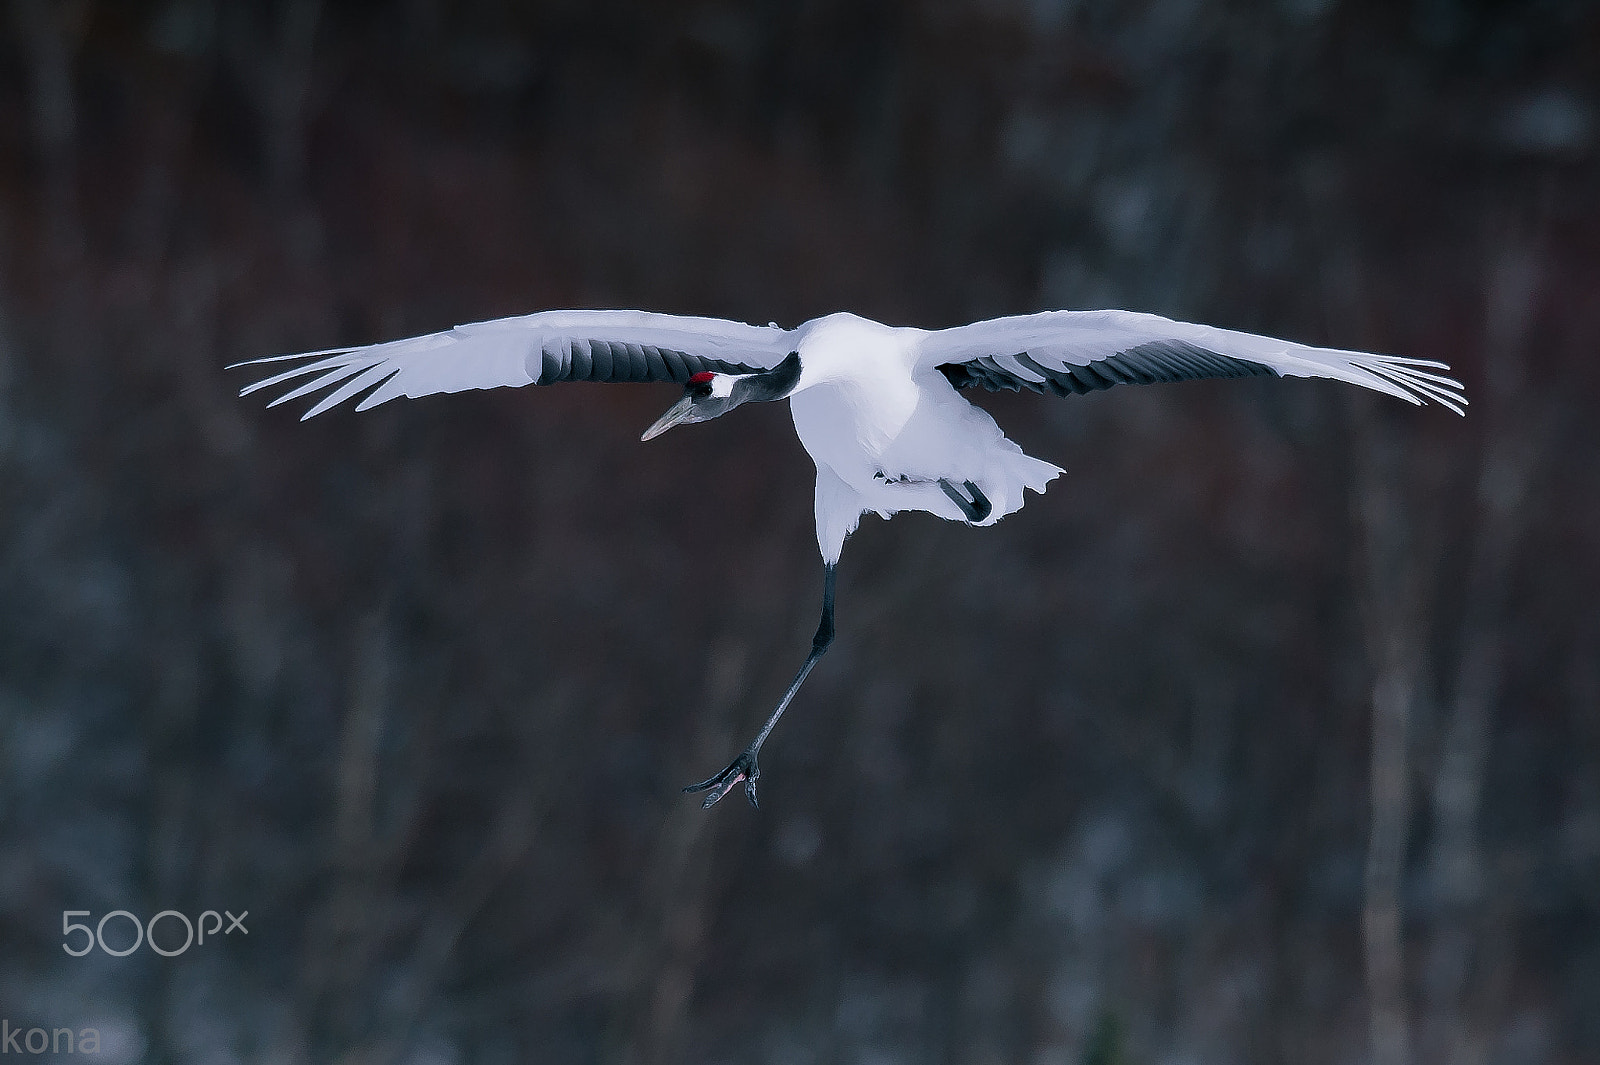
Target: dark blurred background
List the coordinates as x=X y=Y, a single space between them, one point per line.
x=1270 y=734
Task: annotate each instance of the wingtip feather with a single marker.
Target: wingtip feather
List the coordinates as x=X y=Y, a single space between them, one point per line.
x=286 y=358
x=1419 y=385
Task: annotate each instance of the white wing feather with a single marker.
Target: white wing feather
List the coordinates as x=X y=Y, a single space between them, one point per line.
x=509 y=352
x=1057 y=339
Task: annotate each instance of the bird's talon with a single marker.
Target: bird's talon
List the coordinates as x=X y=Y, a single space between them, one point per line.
x=741 y=769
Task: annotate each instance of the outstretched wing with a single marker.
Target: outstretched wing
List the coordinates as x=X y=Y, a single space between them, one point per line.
x=535 y=349
x=1080 y=351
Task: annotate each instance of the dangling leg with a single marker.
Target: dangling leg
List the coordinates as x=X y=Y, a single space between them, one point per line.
x=744 y=767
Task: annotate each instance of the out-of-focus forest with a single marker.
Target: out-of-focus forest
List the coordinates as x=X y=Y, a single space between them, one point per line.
x=1270 y=734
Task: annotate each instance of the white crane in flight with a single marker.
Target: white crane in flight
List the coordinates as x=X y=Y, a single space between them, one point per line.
x=878 y=408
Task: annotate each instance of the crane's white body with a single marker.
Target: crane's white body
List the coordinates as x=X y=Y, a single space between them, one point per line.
x=884 y=429
x=881 y=420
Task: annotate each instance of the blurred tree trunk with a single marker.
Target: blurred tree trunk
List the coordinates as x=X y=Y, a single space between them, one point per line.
x=1463 y=943
x=679 y=894
x=1393 y=592
x=343 y=940
x=52 y=32
x=1392 y=610
x=278 y=79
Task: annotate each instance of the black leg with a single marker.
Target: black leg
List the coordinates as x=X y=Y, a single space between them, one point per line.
x=744 y=767
x=976 y=510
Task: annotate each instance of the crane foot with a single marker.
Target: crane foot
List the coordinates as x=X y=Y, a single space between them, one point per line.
x=742 y=768
x=976 y=510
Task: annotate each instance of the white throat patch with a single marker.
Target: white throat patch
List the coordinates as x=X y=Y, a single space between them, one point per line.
x=722 y=385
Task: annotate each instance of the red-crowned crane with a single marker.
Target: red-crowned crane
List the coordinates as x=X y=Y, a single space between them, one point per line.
x=878 y=408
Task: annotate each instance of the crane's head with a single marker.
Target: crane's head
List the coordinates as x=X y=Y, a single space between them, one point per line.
x=709 y=395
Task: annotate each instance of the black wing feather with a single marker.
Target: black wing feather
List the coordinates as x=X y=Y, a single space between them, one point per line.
x=1158 y=361
x=596 y=360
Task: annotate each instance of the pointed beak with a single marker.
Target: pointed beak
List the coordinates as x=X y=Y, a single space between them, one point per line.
x=680 y=412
